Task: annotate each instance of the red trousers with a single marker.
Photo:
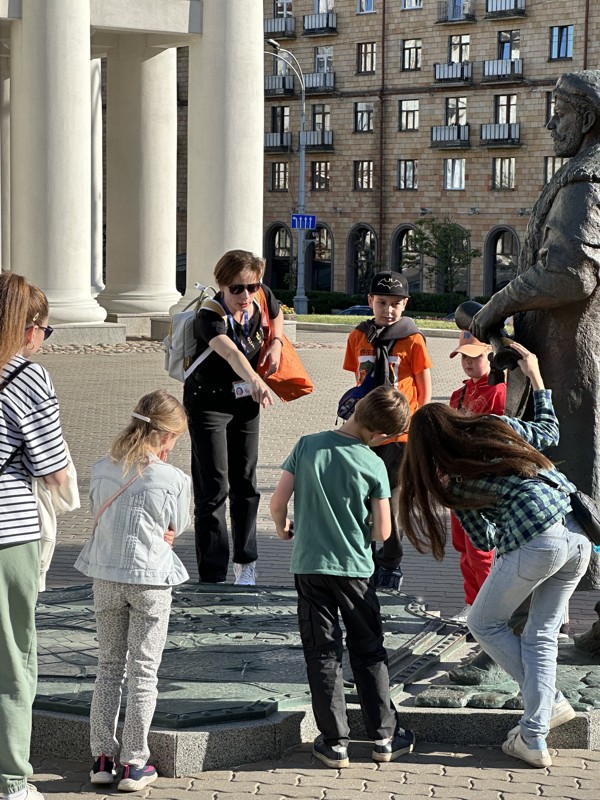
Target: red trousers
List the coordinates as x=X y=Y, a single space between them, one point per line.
x=474 y=564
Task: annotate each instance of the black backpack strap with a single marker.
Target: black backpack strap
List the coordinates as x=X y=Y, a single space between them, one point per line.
x=18 y=369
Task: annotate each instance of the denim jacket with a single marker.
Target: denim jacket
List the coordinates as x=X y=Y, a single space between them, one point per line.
x=128 y=544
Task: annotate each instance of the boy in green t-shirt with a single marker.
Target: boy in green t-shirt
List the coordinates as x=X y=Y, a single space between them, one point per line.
x=341 y=500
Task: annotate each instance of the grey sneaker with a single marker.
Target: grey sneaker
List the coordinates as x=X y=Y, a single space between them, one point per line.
x=516 y=746
x=245 y=574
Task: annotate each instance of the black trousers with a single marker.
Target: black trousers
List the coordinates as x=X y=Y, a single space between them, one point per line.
x=389 y=555
x=320 y=599
x=224 y=433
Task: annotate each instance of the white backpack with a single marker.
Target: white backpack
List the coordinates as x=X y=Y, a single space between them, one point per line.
x=181 y=345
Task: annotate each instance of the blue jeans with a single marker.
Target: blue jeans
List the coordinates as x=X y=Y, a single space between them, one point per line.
x=548 y=568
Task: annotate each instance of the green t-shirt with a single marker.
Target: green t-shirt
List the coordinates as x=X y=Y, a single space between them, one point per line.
x=335 y=478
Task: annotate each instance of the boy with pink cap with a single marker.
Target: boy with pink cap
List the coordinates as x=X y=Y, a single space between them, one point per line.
x=477 y=397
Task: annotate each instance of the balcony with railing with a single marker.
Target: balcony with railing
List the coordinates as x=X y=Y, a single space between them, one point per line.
x=319 y=82
x=503 y=69
x=278 y=142
x=456 y=11
x=501 y=134
x=450 y=136
x=319 y=24
x=504 y=8
x=318 y=140
x=280 y=27
x=460 y=72
x=278 y=84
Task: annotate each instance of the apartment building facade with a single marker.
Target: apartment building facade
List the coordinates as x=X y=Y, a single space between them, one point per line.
x=412 y=108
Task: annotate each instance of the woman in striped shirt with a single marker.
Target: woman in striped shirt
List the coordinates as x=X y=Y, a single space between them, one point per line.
x=31 y=445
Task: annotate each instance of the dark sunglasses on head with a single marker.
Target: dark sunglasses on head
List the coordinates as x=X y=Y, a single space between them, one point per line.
x=238 y=288
x=48 y=330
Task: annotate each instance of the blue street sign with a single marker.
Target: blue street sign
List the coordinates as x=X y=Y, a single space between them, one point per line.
x=307 y=222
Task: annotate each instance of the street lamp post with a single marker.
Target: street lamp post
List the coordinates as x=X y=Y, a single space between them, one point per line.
x=300 y=299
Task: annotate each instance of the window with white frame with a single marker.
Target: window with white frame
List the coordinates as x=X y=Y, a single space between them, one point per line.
x=411 y=54
x=408 y=115
x=561 y=42
x=365 y=6
x=282 y=243
x=283 y=8
x=323 y=6
x=505 y=109
x=503 y=173
x=456 y=111
x=458 y=48
x=407 y=174
x=320 y=176
x=509 y=44
x=551 y=165
x=280 y=119
x=366 y=54
x=549 y=106
x=363 y=117
x=282 y=65
x=363 y=176
x=454 y=174
x=321 y=117
x=407 y=5
x=324 y=59
x=279 y=176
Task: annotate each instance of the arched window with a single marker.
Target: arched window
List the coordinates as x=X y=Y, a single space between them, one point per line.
x=362 y=254
x=405 y=258
x=501 y=258
x=278 y=249
x=319 y=258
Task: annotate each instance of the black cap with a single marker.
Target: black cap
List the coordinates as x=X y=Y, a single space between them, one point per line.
x=393 y=283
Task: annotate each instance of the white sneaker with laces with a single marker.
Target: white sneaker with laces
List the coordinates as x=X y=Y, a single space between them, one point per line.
x=562 y=712
x=516 y=746
x=28 y=793
x=245 y=574
x=462 y=614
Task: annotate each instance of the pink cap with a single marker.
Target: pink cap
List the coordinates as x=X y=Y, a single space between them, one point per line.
x=468 y=345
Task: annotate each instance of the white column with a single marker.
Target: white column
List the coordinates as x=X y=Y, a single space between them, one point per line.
x=51 y=154
x=225 y=136
x=5 y=164
x=141 y=178
x=97 y=283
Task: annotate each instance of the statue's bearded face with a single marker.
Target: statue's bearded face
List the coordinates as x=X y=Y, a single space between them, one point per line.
x=566 y=129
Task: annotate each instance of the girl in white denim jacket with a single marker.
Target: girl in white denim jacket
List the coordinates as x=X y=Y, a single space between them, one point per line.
x=140 y=504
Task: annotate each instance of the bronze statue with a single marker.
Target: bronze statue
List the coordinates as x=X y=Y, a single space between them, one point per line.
x=555 y=297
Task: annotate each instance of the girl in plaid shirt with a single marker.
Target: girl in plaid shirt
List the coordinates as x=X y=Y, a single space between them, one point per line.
x=506 y=494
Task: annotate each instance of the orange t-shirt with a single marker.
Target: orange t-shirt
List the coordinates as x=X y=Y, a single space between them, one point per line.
x=408 y=357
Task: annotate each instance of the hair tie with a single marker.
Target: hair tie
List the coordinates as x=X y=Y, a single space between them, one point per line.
x=140 y=416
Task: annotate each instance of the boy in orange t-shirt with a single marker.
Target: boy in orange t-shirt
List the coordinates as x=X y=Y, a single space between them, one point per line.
x=393 y=349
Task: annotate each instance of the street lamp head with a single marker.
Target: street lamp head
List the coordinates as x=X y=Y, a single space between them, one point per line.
x=275 y=45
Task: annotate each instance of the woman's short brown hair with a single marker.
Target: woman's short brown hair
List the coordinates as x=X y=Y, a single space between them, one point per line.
x=233 y=262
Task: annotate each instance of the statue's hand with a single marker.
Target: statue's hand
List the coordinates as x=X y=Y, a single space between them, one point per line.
x=484 y=320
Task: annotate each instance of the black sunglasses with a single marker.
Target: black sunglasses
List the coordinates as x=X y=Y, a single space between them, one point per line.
x=238 y=288
x=48 y=330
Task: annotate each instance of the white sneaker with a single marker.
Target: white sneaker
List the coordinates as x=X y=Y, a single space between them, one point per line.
x=29 y=793
x=562 y=712
x=245 y=574
x=516 y=746
x=462 y=614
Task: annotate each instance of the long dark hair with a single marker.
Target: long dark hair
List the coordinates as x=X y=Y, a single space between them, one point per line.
x=444 y=443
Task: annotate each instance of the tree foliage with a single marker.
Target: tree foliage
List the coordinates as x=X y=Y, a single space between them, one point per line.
x=441 y=248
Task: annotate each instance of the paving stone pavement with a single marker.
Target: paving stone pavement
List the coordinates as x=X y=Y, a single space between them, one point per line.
x=97 y=391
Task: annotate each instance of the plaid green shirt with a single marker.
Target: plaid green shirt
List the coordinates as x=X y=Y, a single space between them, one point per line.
x=525 y=507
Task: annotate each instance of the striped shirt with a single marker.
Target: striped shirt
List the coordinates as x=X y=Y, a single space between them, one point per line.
x=28 y=416
x=525 y=507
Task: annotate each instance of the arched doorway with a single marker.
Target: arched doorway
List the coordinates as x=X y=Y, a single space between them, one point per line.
x=405 y=258
x=319 y=258
x=278 y=253
x=361 y=257
x=501 y=258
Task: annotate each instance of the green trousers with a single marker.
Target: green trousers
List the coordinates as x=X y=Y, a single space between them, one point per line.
x=19 y=576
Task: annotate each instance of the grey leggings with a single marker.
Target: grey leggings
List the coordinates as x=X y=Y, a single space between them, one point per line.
x=132 y=622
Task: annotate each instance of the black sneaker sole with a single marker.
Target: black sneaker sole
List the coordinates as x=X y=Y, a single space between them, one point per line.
x=334 y=763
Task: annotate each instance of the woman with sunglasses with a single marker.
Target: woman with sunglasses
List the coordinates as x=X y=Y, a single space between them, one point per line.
x=31 y=445
x=223 y=398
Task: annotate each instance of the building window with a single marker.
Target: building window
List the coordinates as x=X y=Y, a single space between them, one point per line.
x=321 y=117
x=282 y=243
x=363 y=176
x=505 y=109
x=279 y=176
x=323 y=6
x=320 y=176
x=456 y=111
x=363 y=117
x=549 y=106
x=407 y=174
x=503 y=173
x=324 y=59
x=283 y=8
x=365 y=56
x=509 y=44
x=280 y=119
x=407 y=5
x=561 y=42
x=408 y=115
x=365 y=6
x=321 y=263
x=458 y=48
x=551 y=165
x=282 y=64
x=411 y=54
x=454 y=173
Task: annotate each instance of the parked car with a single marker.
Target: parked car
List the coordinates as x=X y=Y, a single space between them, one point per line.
x=357 y=311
